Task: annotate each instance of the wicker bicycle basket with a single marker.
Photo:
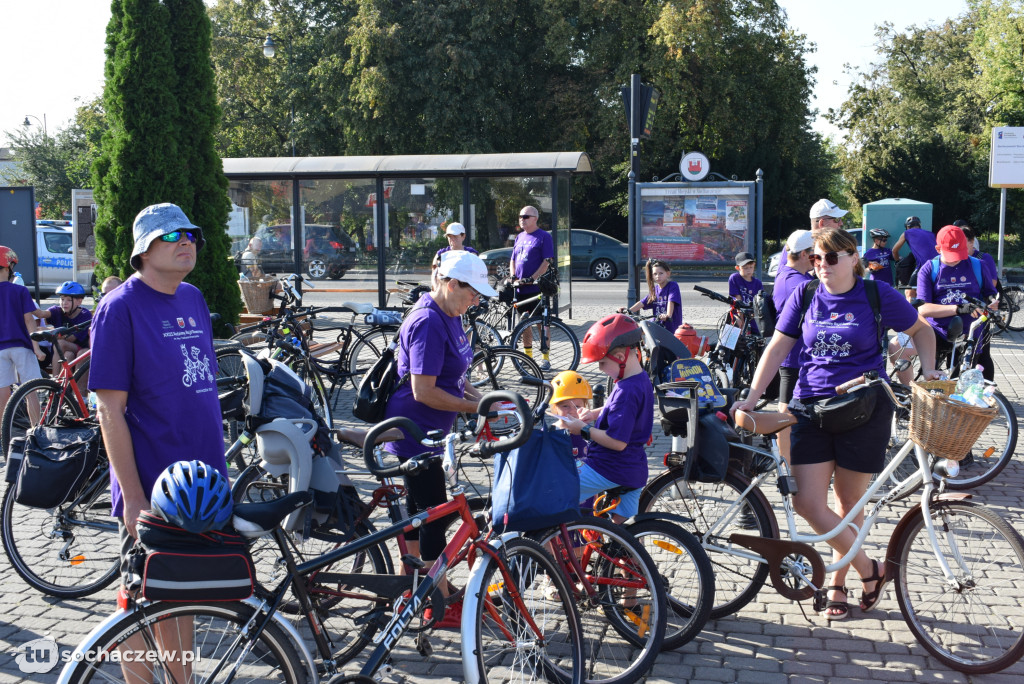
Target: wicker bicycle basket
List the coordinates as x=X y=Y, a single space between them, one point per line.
x=942 y=427
x=256 y=295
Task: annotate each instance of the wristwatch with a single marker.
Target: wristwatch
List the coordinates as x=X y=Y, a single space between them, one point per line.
x=585 y=432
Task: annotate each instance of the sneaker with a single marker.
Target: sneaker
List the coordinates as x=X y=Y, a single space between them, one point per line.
x=545 y=365
x=452 y=616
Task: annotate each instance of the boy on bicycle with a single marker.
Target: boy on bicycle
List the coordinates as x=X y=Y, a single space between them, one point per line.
x=616 y=454
x=743 y=286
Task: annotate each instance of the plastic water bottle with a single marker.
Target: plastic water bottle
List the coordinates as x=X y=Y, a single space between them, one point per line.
x=970 y=378
x=242 y=277
x=18 y=280
x=91 y=401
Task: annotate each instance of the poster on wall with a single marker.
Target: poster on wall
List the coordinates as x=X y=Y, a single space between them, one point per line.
x=694 y=224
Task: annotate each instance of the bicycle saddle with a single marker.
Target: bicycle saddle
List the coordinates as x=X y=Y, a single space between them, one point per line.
x=358 y=307
x=253 y=520
x=356 y=437
x=764 y=422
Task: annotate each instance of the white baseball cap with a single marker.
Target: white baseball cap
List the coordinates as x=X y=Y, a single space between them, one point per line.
x=455 y=229
x=824 y=207
x=799 y=240
x=467 y=268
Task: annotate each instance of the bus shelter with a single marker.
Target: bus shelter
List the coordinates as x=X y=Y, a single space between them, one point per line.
x=367 y=222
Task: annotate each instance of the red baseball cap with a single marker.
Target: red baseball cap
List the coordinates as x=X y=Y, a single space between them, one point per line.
x=952 y=243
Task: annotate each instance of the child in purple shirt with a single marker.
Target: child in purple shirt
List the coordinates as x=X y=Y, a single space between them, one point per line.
x=616 y=453
x=663 y=296
x=879 y=257
x=742 y=284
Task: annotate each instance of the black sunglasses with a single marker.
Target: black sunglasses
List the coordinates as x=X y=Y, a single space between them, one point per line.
x=527 y=216
x=175 y=236
x=831 y=258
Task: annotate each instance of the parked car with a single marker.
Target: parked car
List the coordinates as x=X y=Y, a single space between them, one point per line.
x=328 y=251
x=593 y=254
x=54 y=257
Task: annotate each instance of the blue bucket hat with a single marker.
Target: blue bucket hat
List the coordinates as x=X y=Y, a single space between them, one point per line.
x=155 y=221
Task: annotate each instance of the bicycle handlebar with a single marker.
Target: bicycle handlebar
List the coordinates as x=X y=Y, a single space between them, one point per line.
x=51 y=335
x=416 y=433
x=713 y=295
x=869 y=379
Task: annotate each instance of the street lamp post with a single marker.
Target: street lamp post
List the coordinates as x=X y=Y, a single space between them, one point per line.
x=26 y=123
x=269 y=51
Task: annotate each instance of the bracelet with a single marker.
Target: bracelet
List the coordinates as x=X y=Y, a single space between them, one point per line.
x=585 y=432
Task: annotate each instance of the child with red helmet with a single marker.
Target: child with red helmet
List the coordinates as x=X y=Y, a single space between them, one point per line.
x=616 y=454
x=17 y=349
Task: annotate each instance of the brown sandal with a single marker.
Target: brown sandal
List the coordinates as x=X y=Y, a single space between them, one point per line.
x=870 y=599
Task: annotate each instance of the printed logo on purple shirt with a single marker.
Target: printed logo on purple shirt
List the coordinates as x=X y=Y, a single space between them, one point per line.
x=181 y=322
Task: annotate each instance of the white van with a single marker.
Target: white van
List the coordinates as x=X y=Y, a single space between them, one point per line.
x=54 y=258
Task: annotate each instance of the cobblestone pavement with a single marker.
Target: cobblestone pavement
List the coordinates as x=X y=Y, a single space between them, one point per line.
x=770 y=641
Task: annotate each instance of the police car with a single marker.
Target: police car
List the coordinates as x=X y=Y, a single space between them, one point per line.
x=54 y=258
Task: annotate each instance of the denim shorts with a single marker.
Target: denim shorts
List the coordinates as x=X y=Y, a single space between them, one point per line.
x=861 y=449
x=592 y=483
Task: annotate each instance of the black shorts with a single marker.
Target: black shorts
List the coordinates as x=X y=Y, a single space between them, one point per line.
x=861 y=450
x=787 y=383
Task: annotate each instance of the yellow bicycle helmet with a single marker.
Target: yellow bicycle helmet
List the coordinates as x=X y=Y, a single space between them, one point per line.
x=570 y=385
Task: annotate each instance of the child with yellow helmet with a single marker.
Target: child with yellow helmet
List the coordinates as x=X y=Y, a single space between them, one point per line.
x=572 y=393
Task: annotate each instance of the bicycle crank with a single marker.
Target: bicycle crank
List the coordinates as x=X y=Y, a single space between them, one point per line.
x=775 y=551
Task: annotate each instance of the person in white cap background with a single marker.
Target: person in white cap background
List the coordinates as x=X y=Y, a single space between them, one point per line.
x=433 y=357
x=824 y=214
x=153 y=366
x=456 y=234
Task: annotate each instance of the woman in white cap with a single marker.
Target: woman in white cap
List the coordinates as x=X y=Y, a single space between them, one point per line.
x=456 y=234
x=435 y=354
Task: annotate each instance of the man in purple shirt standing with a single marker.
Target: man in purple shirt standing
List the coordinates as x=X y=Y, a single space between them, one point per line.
x=922 y=247
x=531 y=256
x=153 y=365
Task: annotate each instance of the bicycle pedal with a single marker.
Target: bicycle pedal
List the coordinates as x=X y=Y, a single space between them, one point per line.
x=423 y=646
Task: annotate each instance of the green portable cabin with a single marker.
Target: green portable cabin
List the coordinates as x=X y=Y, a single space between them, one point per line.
x=891 y=214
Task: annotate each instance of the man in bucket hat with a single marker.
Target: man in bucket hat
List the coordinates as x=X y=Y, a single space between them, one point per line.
x=153 y=365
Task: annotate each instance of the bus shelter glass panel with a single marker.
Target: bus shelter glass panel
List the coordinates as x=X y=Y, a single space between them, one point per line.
x=562 y=243
x=337 y=228
x=418 y=210
x=259 y=226
x=494 y=215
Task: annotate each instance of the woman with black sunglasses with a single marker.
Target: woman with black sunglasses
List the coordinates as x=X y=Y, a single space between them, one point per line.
x=842 y=341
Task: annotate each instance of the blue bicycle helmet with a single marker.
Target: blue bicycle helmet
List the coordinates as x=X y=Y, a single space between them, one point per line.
x=193 y=496
x=71 y=289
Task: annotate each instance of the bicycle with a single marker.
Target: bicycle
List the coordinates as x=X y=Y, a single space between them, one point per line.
x=42 y=401
x=955 y=564
x=511 y=629
x=735 y=356
x=1011 y=299
x=69 y=551
x=557 y=339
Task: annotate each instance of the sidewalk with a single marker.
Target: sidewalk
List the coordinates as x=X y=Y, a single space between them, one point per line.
x=770 y=641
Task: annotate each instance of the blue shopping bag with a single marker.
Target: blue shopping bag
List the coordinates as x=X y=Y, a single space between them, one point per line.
x=537 y=485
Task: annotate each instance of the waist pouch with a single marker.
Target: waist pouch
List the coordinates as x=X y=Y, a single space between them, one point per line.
x=846 y=412
x=56 y=464
x=171 y=564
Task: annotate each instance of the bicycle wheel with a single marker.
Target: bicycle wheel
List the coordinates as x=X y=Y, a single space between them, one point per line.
x=215 y=637
x=991 y=452
x=1013 y=299
x=366 y=348
x=898 y=436
x=972 y=624
x=500 y=368
x=687 y=574
x=560 y=342
x=624 y=621
x=488 y=334
x=499 y=645
x=81 y=376
x=230 y=365
x=345 y=613
x=69 y=551
x=738 y=575
x=53 y=399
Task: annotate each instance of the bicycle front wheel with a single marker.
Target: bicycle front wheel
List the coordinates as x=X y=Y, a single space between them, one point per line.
x=488 y=335
x=739 y=572
x=622 y=602
x=1010 y=302
x=69 y=551
x=499 y=642
x=991 y=452
x=500 y=368
x=970 y=623
x=554 y=344
x=205 y=643
x=366 y=347
x=41 y=401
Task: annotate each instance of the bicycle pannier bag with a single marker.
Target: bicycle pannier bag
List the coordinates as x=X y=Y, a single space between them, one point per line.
x=57 y=463
x=537 y=485
x=377 y=386
x=846 y=412
x=168 y=563
x=14 y=456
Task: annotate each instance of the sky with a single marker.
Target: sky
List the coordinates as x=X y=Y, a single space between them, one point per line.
x=52 y=50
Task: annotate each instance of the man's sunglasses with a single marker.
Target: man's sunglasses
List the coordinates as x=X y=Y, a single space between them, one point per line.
x=831 y=258
x=527 y=216
x=176 y=236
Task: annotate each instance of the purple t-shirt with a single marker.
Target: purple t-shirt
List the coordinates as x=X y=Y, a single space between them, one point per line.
x=159 y=348
x=922 y=244
x=786 y=281
x=662 y=296
x=58 y=320
x=430 y=343
x=884 y=257
x=466 y=248
x=951 y=287
x=988 y=265
x=579 y=447
x=15 y=302
x=840 y=336
x=746 y=291
x=627 y=416
x=529 y=252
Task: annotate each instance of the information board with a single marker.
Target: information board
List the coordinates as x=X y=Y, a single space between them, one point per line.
x=1006 y=158
x=700 y=223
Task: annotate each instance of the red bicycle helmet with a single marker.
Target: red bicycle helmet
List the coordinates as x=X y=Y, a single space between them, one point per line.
x=7 y=257
x=609 y=333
